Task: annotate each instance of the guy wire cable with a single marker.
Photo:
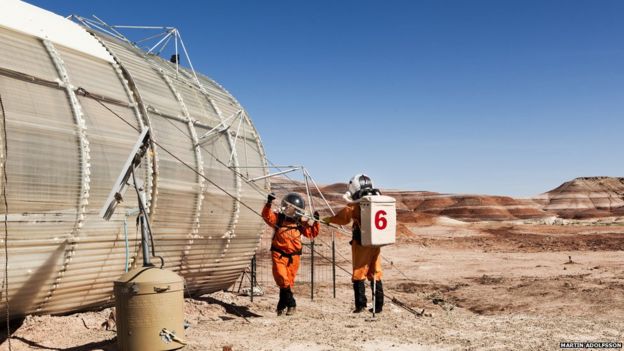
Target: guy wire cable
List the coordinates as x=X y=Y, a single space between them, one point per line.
x=5 y=282
x=87 y=94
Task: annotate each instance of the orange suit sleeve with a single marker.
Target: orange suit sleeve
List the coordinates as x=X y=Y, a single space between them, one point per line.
x=343 y=217
x=312 y=231
x=269 y=216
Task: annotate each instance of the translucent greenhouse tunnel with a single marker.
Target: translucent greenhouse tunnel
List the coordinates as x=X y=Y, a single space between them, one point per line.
x=59 y=82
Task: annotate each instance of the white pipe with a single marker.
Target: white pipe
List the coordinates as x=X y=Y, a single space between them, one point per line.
x=160 y=41
x=273 y=174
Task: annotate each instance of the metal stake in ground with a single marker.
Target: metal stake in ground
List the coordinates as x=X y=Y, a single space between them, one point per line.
x=253 y=277
x=312 y=269
x=334 y=264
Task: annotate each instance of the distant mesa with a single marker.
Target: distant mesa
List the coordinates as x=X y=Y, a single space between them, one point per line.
x=586 y=197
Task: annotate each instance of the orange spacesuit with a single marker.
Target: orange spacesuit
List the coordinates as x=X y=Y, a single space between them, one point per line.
x=366 y=259
x=286 y=245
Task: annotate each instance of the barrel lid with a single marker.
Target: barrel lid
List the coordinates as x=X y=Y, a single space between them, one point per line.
x=150 y=275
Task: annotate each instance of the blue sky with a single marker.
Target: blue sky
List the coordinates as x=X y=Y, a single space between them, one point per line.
x=497 y=97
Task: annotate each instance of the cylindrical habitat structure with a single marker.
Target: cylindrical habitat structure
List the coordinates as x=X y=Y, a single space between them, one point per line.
x=74 y=101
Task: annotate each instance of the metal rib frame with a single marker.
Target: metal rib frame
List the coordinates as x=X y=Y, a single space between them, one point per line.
x=237 y=182
x=200 y=169
x=84 y=159
x=142 y=112
x=256 y=138
x=142 y=117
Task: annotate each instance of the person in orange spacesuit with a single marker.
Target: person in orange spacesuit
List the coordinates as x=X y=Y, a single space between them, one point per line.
x=366 y=259
x=289 y=224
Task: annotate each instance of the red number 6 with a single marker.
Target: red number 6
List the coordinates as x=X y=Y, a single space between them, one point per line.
x=381 y=222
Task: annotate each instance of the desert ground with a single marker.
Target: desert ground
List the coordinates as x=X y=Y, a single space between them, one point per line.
x=482 y=286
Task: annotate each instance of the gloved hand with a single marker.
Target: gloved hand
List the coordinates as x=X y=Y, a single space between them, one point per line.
x=270 y=198
x=310 y=220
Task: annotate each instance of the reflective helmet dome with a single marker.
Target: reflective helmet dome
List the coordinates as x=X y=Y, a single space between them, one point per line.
x=293 y=205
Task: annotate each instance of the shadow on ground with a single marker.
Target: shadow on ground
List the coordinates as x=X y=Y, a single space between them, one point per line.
x=239 y=311
x=106 y=345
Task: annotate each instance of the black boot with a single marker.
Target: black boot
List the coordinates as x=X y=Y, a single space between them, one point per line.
x=291 y=303
x=379 y=296
x=283 y=299
x=359 y=291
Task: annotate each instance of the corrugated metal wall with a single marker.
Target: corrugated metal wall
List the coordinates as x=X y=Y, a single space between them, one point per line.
x=65 y=151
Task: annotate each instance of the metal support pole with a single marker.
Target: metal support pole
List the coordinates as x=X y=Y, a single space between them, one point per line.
x=146 y=231
x=240 y=283
x=334 y=265
x=273 y=174
x=126 y=242
x=144 y=241
x=253 y=277
x=312 y=270
x=307 y=186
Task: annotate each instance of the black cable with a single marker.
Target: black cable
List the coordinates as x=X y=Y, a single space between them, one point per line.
x=6 y=225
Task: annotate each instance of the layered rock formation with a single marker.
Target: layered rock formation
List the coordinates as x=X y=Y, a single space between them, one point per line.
x=473 y=208
x=581 y=198
x=586 y=197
